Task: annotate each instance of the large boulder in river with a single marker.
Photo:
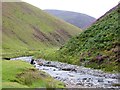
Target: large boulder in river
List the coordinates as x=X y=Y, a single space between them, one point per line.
x=40 y=63
x=69 y=69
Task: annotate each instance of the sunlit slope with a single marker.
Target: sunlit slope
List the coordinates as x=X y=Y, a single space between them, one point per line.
x=25 y=27
x=97 y=47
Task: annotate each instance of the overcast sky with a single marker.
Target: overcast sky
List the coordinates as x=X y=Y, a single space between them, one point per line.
x=95 y=8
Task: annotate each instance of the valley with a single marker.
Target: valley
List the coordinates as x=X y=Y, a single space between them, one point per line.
x=65 y=56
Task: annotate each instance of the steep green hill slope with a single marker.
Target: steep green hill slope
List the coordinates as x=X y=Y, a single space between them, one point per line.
x=96 y=47
x=26 y=27
x=78 y=19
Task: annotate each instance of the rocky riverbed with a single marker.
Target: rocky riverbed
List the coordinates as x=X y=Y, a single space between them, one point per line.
x=75 y=76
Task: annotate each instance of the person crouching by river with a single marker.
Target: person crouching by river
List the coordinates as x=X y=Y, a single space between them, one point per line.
x=32 y=61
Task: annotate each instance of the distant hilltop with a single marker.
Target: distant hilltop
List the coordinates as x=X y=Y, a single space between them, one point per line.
x=78 y=19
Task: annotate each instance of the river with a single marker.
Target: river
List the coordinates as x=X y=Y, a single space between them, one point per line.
x=73 y=75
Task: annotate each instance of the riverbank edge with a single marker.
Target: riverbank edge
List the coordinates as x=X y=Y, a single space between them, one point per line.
x=24 y=70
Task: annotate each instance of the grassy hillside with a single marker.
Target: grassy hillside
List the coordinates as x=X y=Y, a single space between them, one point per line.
x=96 y=47
x=78 y=19
x=27 y=28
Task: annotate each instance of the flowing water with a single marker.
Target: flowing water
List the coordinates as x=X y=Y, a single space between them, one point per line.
x=73 y=75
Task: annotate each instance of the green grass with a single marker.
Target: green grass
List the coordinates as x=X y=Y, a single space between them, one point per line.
x=0 y=72
x=19 y=74
x=47 y=53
